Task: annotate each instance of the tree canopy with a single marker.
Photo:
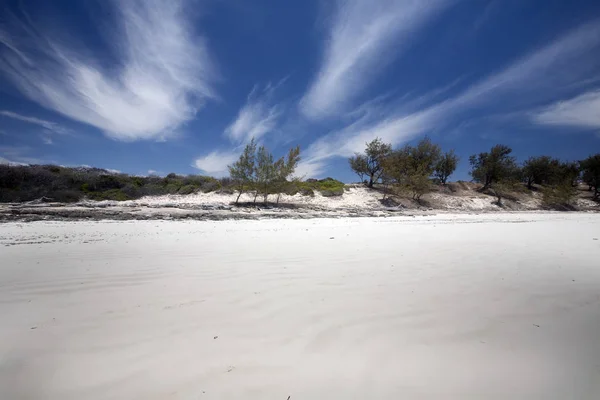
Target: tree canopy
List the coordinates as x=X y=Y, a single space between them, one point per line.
x=370 y=163
x=494 y=166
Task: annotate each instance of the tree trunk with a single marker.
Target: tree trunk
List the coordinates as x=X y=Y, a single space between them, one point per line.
x=371 y=181
x=238 y=198
x=255 y=195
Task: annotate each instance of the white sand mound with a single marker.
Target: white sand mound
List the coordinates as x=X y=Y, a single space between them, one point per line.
x=496 y=306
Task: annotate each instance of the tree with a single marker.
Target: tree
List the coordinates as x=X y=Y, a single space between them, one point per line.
x=284 y=168
x=265 y=172
x=569 y=172
x=559 y=196
x=590 y=169
x=358 y=163
x=542 y=170
x=424 y=157
x=446 y=166
x=412 y=167
x=242 y=171
x=370 y=163
x=497 y=165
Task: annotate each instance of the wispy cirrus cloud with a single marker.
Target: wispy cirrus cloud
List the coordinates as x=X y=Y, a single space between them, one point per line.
x=363 y=36
x=534 y=78
x=165 y=72
x=581 y=111
x=19 y=155
x=50 y=126
x=216 y=162
x=257 y=117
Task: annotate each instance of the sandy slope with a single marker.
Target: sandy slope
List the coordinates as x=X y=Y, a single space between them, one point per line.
x=497 y=306
x=357 y=201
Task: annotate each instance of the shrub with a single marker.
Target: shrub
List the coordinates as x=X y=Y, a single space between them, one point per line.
x=188 y=189
x=306 y=191
x=132 y=191
x=559 y=197
x=211 y=186
x=333 y=192
x=111 y=194
x=66 y=196
x=172 y=188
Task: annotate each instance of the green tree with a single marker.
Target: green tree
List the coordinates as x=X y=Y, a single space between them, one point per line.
x=358 y=164
x=369 y=164
x=559 y=196
x=411 y=167
x=569 y=172
x=424 y=157
x=265 y=172
x=542 y=170
x=446 y=166
x=590 y=169
x=284 y=168
x=495 y=166
x=242 y=171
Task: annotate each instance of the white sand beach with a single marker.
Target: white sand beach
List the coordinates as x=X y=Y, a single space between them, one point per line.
x=494 y=306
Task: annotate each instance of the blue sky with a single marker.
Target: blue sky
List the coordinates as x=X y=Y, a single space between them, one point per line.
x=181 y=86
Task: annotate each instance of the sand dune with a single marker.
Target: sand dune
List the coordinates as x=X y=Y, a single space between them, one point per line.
x=493 y=306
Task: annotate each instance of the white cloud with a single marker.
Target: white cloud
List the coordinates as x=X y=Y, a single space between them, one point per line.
x=216 y=162
x=5 y=161
x=20 y=155
x=581 y=111
x=363 y=37
x=544 y=72
x=50 y=126
x=310 y=169
x=47 y=140
x=257 y=117
x=164 y=75
x=351 y=139
x=535 y=76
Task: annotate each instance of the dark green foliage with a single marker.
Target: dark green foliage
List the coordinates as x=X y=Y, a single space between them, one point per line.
x=188 y=189
x=543 y=170
x=445 y=166
x=62 y=184
x=328 y=185
x=496 y=166
x=559 y=197
x=333 y=192
x=111 y=194
x=306 y=191
x=370 y=164
x=590 y=170
x=256 y=170
x=242 y=172
x=411 y=167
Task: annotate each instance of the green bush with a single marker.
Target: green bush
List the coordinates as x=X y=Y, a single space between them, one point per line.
x=66 y=196
x=188 y=189
x=111 y=194
x=306 y=191
x=172 y=188
x=332 y=193
x=559 y=197
x=210 y=186
x=327 y=187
